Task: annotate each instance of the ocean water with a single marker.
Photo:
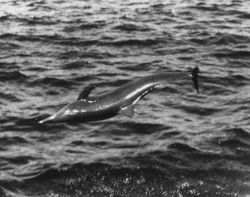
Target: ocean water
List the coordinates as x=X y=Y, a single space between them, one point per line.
x=179 y=143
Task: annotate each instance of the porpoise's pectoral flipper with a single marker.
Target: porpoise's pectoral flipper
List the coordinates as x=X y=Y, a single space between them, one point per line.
x=195 y=74
x=85 y=93
x=128 y=111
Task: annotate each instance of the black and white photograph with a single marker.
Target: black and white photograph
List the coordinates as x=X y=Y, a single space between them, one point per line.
x=125 y=98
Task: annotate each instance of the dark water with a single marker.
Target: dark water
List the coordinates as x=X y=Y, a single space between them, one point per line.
x=179 y=143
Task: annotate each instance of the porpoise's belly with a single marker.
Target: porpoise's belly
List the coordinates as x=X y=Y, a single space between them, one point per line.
x=80 y=112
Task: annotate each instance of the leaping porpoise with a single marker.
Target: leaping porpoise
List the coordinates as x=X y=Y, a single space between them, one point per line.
x=119 y=101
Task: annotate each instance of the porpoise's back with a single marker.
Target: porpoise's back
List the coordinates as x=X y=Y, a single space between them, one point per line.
x=139 y=85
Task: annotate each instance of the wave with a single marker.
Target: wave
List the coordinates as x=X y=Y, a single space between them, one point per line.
x=205 y=7
x=89 y=26
x=85 y=180
x=12 y=76
x=235 y=80
x=18 y=160
x=219 y=39
x=131 y=27
x=234 y=144
x=244 y=15
x=9 y=97
x=220 y=84
x=145 y=66
x=239 y=133
x=49 y=47
x=56 y=39
x=51 y=81
x=202 y=111
x=107 y=179
x=234 y=54
x=180 y=147
x=6 y=141
x=132 y=42
x=9 y=46
x=29 y=20
x=76 y=65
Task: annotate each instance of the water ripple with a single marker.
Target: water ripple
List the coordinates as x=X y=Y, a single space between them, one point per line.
x=179 y=143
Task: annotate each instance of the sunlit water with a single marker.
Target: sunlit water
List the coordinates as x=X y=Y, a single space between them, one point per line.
x=178 y=144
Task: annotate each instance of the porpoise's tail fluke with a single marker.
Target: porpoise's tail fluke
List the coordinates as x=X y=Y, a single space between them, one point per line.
x=195 y=74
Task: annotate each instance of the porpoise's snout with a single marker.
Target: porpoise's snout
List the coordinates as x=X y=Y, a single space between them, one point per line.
x=48 y=119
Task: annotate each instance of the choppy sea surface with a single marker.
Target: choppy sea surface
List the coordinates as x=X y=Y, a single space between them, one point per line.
x=179 y=143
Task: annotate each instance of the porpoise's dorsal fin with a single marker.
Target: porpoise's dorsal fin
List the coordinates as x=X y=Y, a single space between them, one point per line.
x=128 y=111
x=85 y=93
